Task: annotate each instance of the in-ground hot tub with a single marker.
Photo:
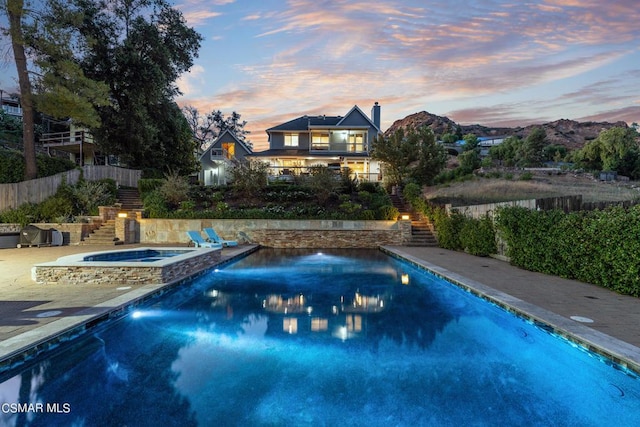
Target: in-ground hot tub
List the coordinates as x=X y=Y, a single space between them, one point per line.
x=139 y=266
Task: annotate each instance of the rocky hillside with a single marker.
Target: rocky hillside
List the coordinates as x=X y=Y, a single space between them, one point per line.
x=565 y=132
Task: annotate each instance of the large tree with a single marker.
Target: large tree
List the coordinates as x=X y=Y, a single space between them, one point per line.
x=63 y=91
x=139 y=48
x=414 y=154
x=15 y=10
x=207 y=127
x=614 y=149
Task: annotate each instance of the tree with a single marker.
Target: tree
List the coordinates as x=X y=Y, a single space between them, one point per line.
x=614 y=149
x=139 y=48
x=432 y=157
x=415 y=155
x=470 y=142
x=507 y=151
x=531 y=151
x=63 y=91
x=396 y=154
x=16 y=12
x=206 y=128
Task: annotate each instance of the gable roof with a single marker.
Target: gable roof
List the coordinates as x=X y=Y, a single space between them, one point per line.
x=357 y=110
x=302 y=123
x=220 y=137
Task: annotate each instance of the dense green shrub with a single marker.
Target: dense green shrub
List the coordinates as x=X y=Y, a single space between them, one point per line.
x=599 y=247
x=387 y=213
x=147 y=185
x=370 y=187
x=23 y=214
x=154 y=205
x=478 y=236
x=174 y=190
x=11 y=166
x=48 y=166
x=56 y=209
x=449 y=228
x=88 y=195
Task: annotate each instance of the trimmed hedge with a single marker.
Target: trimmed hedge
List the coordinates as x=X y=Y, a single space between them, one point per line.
x=598 y=247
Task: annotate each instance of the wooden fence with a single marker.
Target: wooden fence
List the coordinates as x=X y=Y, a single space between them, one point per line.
x=37 y=190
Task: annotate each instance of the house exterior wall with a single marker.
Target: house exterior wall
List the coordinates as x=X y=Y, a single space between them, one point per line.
x=214 y=165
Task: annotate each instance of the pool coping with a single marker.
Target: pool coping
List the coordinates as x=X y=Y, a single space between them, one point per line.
x=20 y=349
x=621 y=353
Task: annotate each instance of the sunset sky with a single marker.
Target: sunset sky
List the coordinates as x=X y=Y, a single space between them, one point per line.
x=493 y=62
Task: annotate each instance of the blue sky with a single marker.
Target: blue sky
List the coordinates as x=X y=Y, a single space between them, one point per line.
x=493 y=62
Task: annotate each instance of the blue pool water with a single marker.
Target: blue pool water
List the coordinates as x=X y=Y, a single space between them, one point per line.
x=142 y=255
x=302 y=338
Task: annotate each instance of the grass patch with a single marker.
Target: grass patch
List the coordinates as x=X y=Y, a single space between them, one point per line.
x=496 y=190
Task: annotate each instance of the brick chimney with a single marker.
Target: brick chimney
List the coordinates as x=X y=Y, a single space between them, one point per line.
x=375 y=114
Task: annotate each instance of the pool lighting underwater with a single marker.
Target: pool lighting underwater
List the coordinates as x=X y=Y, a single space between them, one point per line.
x=284 y=338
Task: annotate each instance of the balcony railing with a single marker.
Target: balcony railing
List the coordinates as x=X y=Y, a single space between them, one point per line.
x=59 y=139
x=12 y=111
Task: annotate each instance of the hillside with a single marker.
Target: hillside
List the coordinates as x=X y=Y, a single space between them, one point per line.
x=569 y=133
x=481 y=190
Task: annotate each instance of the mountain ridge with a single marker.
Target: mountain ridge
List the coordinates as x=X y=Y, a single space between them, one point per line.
x=569 y=133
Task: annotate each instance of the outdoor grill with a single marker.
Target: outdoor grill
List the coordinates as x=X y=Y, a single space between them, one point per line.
x=31 y=235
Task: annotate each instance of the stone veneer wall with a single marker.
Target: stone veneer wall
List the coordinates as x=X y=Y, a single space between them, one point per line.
x=120 y=275
x=281 y=233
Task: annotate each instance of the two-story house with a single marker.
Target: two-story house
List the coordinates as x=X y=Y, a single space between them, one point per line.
x=334 y=141
x=218 y=158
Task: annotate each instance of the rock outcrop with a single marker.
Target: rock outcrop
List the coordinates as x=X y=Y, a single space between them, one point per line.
x=569 y=133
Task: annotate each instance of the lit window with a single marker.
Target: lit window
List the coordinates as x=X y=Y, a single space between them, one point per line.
x=290 y=139
x=229 y=148
x=320 y=141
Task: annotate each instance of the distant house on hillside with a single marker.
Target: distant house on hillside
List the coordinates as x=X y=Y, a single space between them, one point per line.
x=218 y=158
x=11 y=106
x=333 y=141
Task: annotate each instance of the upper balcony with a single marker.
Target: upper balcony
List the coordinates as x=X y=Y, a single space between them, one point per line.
x=339 y=140
x=12 y=110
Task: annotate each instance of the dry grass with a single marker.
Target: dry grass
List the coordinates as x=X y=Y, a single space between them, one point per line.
x=493 y=190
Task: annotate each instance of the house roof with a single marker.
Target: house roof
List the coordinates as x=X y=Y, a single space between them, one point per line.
x=221 y=136
x=302 y=123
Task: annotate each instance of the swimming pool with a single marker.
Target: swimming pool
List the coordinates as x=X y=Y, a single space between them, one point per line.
x=288 y=337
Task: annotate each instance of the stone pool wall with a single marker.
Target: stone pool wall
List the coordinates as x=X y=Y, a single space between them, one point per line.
x=78 y=273
x=281 y=233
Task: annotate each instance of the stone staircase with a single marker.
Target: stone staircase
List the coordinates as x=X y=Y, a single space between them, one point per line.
x=130 y=202
x=129 y=198
x=422 y=230
x=103 y=235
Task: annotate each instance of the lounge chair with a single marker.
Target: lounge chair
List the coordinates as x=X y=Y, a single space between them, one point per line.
x=213 y=237
x=199 y=242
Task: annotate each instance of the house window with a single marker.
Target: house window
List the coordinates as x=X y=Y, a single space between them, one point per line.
x=290 y=139
x=356 y=142
x=229 y=149
x=320 y=141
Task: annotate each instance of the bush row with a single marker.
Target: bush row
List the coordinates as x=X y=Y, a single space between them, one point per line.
x=455 y=231
x=68 y=203
x=12 y=166
x=599 y=247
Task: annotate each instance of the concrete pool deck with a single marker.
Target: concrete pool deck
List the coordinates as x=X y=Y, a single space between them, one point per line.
x=29 y=311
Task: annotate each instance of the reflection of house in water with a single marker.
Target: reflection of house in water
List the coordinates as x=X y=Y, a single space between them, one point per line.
x=343 y=320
